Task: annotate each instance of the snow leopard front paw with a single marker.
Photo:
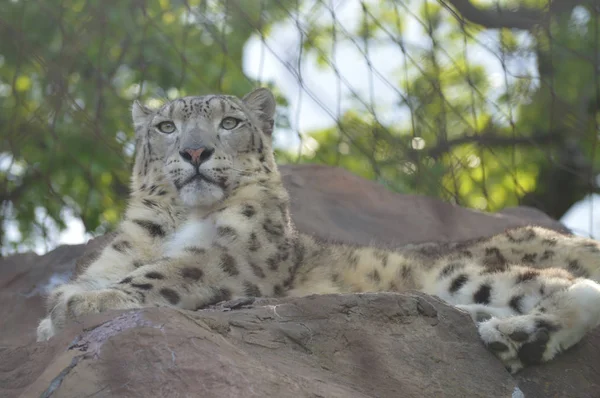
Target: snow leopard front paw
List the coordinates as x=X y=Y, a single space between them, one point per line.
x=95 y=301
x=57 y=315
x=68 y=303
x=45 y=329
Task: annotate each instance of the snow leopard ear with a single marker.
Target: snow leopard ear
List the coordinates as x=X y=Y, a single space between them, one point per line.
x=140 y=114
x=262 y=102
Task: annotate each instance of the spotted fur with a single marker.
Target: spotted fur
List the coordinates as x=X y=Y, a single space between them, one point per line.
x=208 y=220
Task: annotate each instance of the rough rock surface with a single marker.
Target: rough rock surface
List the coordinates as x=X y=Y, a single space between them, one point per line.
x=372 y=345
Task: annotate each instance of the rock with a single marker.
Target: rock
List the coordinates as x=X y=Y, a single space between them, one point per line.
x=24 y=279
x=368 y=345
x=334 y=203
x=348 y=346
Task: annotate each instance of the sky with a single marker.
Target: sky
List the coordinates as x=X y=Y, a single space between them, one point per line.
x=319 y=95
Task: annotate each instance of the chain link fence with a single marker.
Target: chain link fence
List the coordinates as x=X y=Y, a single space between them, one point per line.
x=487 y=104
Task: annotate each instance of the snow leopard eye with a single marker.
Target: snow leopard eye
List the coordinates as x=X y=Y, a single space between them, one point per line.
x=230 y=123
x=166 y=127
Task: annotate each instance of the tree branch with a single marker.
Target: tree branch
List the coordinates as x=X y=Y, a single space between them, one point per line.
x=524 y=18
x=494 y=140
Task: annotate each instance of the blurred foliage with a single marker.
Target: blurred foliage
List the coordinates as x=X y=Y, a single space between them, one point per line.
x=70 y=69
x=472 y=138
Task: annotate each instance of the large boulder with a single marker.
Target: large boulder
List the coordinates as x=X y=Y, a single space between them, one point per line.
x=370 y=345
x=333 y=203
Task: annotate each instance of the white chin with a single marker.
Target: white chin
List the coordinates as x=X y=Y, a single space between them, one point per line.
x=201 y=194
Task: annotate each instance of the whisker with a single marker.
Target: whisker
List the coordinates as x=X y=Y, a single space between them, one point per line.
x=241 y=171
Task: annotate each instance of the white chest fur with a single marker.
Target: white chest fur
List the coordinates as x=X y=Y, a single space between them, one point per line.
x=194 y=233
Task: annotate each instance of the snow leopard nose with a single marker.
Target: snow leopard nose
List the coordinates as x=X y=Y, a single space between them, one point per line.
x=196 y=156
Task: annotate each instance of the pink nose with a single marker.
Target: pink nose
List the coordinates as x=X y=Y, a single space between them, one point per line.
x=196 y=156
